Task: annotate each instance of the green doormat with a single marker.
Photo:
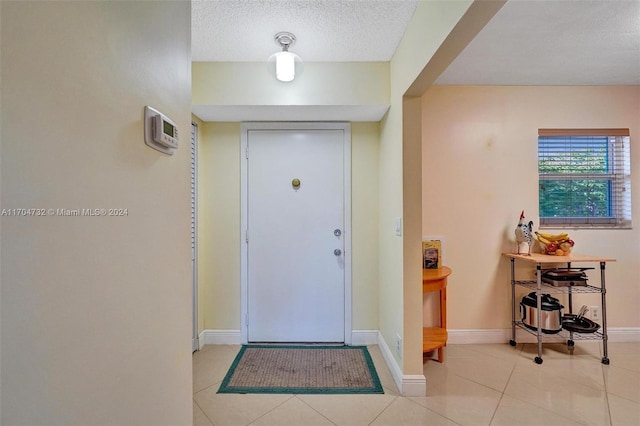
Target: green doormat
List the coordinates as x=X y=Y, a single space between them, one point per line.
x=302 y=369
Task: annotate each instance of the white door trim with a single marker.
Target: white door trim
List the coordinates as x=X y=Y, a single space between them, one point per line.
x=195 y=345
x=245 y=128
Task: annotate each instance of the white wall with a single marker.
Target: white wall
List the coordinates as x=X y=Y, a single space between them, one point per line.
x=480 y=171
x=96 y=311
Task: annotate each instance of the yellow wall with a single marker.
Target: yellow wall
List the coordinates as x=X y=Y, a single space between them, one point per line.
x=331 y=83
x=96 y=311
x=365 y=146
x=219 y=225
x=480 y=170
x=431 y=23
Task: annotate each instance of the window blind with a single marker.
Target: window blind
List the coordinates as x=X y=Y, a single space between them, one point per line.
x=584 y=177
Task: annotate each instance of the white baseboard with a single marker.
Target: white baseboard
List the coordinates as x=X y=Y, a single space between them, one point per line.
x=473 y=336
x=233 y=337
x=456 y=337
x=623 y=334
x=409 y=385
x=364 y=337
x=394 y=368
x=220 y=337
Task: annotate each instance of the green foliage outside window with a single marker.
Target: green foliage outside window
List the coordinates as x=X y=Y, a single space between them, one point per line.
x=584 y=178
x=574 y=177
x=575 y=198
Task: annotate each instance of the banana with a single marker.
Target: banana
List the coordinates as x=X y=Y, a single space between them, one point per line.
x=542 y=239
x=549 y=237
x=553 y=237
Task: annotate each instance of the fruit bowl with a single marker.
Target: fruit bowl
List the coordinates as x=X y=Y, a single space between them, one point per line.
x=542 y=248
x=555 y=245
x=551 y=251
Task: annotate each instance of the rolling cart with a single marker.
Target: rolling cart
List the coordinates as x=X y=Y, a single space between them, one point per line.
x=543 y=261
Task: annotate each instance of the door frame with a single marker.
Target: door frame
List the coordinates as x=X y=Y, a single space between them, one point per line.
x=195 y=343
x=244 y=204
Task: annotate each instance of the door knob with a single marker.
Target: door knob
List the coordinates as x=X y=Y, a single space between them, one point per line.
x=337 y=232
x=337 y=252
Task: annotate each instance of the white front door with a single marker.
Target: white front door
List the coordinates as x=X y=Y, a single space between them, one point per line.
x=295 y=234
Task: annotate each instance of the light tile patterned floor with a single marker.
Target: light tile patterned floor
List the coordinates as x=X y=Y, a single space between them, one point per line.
x=477 y=385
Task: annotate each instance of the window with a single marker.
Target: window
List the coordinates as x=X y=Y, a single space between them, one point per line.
x=584 y=178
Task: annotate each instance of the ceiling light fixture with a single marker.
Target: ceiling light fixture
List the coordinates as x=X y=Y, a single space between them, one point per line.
x=285 y=61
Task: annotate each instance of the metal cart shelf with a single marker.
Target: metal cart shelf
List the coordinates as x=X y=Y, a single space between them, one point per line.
x=537 y=285
x=533 y=285
x=562 y=336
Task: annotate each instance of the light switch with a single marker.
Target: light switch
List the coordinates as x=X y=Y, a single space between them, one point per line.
x=399 y=226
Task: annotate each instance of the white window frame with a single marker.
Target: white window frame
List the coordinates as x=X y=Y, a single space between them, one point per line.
x=619 y=177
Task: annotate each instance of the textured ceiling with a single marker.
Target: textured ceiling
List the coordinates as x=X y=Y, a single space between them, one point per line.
x=554 y=43
x=326 y=30
x=527 y=43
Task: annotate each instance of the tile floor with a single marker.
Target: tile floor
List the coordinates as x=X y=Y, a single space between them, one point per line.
x=492 y=384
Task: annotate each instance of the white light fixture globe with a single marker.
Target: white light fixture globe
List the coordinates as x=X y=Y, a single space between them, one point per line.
x=285 y=62
x=285 y=66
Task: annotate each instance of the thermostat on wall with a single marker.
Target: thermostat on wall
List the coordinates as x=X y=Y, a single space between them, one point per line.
x=160 y=132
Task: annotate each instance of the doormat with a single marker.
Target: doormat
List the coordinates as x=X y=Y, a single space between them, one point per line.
x=302 y=370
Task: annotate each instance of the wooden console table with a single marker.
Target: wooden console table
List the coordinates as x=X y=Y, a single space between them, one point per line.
x=436 y=337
